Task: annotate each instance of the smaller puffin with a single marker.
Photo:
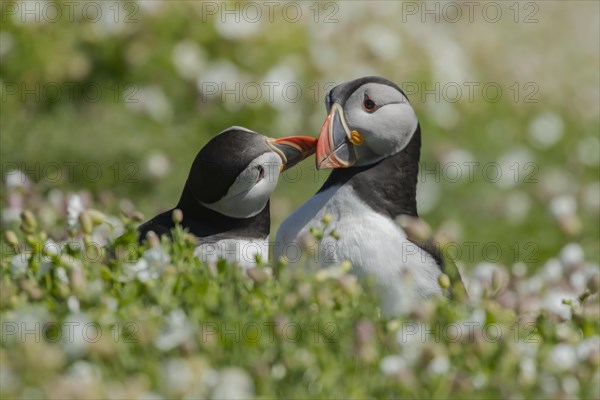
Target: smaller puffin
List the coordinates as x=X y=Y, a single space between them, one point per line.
x=225 y=200
x=371 y=138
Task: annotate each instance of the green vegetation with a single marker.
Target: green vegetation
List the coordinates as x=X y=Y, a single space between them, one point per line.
x=155 y=322
x=114 y=109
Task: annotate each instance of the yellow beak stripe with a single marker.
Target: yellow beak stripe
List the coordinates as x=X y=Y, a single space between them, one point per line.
x=356 y=138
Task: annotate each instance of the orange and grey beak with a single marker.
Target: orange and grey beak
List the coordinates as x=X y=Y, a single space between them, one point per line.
x=293 y=149
x=335 y=146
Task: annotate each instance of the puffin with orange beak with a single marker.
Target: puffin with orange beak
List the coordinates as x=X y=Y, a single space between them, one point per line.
x=371 y=138
x=225 y=200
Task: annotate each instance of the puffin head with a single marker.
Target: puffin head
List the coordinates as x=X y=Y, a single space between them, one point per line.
x=235 y=172
x=368 y=119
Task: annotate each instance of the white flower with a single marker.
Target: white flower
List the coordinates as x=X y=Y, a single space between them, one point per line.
x=552 y=271
x=478 y=317
x=479 y=380
x=284 y=74
x=51 y=249
x=555 y=181
x=157 y=257
x=528 y=369
x=188 y=58
x=587 y=346
x=588 y=151
x=411 y=337
x=578 y=280
x=83 y=372
x=388 y=43
x=439 y=365
x=77 y=331
x=11 y=214
x=150 y=7
x=590 y=197
x=211 y=377
x=278 y=371
x=563 y=357
x=528 y=350
x=18 y=265
x=74 y=208
x=548 y=383
x=571 y=255
x=392 y=365
x=553 y=302
x=513 y=167
x=158 y=165
x=546 y=129
x=484 y=275
x=141 y=270
x=73 y=304
x=234 y=383
x=532 y=285
x=61 y=274
x=177 y=376
x=443 y=113
x=16 y=179
x=153 y=101
x=519 y=269
x=112 y=227
x=242 y=25
x=221 y=75
x=149 y=266
x=570 y=385
x=563 y=206
x=484 y=272
x=176 y=331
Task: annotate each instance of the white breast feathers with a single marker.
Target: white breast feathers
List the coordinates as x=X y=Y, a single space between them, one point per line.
x=403 y=272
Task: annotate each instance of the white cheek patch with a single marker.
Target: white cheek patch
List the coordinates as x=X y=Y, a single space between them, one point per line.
x=387 y=130
x=248 y=195
x=392 y=129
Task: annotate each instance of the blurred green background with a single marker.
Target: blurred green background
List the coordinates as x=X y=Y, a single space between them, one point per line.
x=128 y=89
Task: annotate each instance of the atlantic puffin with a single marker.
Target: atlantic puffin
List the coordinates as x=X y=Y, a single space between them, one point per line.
x=225 y=200
x=371 y=138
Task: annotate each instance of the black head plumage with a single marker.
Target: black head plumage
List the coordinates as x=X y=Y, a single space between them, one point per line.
x=210 y=177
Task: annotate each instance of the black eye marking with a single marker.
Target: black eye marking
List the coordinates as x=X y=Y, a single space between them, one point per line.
x=261 y=173
x=369 y=104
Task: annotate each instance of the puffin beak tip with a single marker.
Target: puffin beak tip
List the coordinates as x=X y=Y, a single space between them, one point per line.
x=334 y=148
x=293 y=149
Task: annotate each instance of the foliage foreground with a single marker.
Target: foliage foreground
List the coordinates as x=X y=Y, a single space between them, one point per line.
x=97 y=316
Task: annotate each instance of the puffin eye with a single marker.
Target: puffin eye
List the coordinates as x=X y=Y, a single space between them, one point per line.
x=261 y=173
x=369 y=104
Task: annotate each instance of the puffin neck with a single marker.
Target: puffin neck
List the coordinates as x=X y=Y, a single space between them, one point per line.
x=204 y=222
x=388 y=187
